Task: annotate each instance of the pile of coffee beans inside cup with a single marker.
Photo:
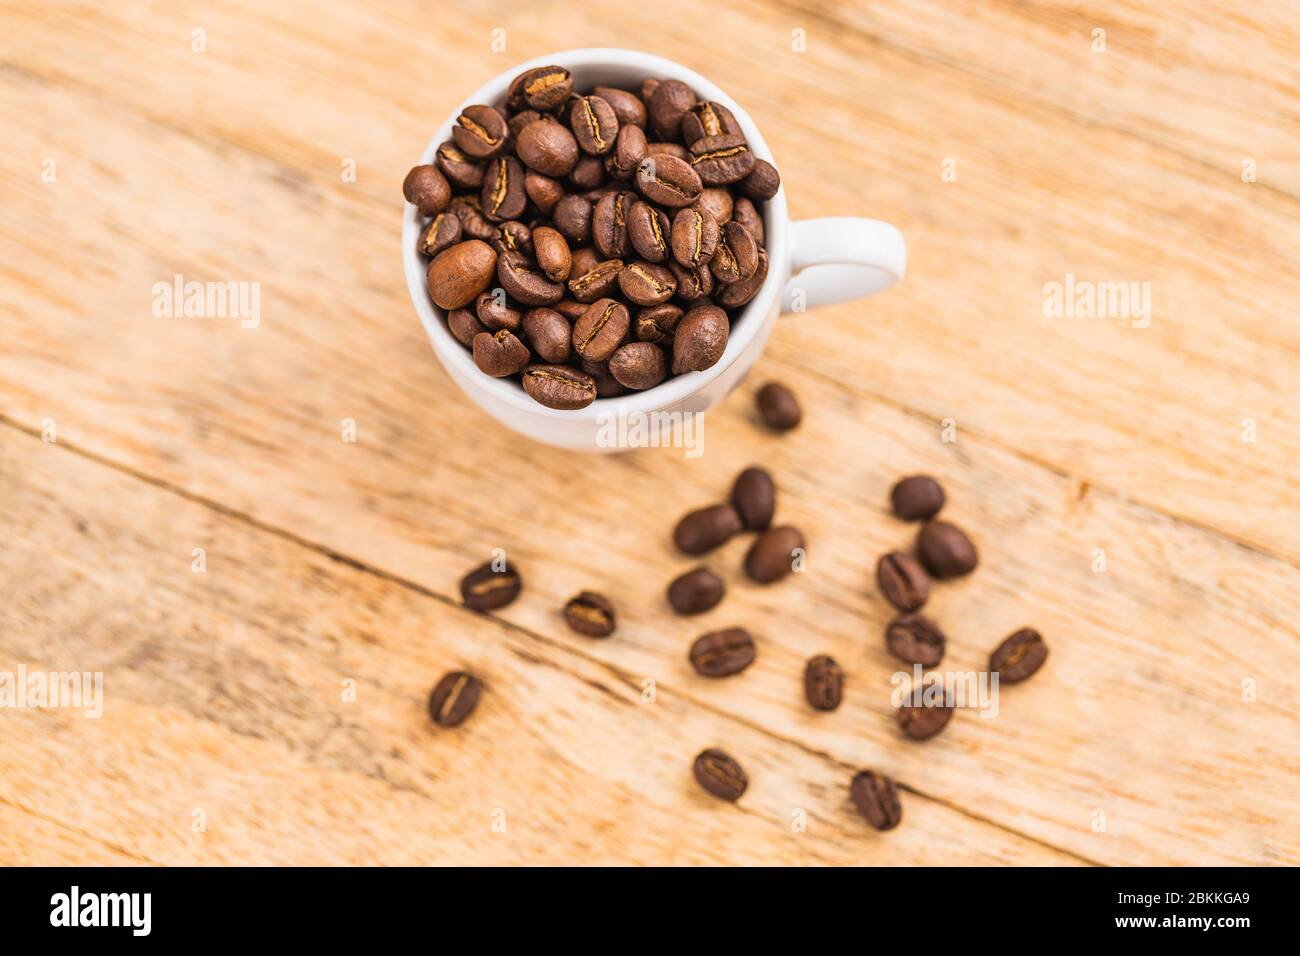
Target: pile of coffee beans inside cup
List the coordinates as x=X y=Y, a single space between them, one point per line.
x=590 y=244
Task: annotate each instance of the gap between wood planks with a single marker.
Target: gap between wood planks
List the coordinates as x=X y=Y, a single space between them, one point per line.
x=417 y=588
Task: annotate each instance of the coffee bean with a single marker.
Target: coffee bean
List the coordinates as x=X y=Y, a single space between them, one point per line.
x=707 y=119
x=454 y=698
x=736 y=294
x=638 y=365
x=657 y=323
x=601 y=329
x=442 y=232
x=501 y=354
x=609 y=224
x=461 y=171
x=723 y=653
x=517 y=123
x=823 y=683
x=503 y=189
x=915 y=639
x=594 y=123
x=427 y=189
x=922 y=723
x=472 y=221
x=1019 y=656
x=716 y=201
x=719 y=774
x=723 y=159
x=692 y=284
x=546 y=146
x=543 y=191
x=675 y=150
x=695 y=237
x=464 y=325
x=589 y=173
x=559 y=386
x=525 y=284
x=644 y=283
x=668 y=104
x=736 y=256
x=629 y=151
x=917 y=497
x=700 y=340
x=876 y=798
x=648 y=87
x=902 y=581
x=494 y=311
x=668 y=181
x=762 y=182
x=571 y=309
x=481 y=132
x=772 y=555
x=486 y=589
x=696 y=591
x=598 y=282
x=591 y=614
x=754 y=498
x=779 y=407
x=572 y=217
x=552 y=252
x=549 y=334
x=607 y=386
x=706 y=528
x=648 y=231
x=458 y=274
x=543 y=88
x=945 y=550
x=743 y=212
x=627 y=107
x=513 y=236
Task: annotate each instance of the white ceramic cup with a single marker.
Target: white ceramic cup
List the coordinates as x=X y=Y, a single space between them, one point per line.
x=811 y=263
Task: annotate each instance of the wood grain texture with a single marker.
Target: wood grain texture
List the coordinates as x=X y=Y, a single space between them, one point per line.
x=1072 y=435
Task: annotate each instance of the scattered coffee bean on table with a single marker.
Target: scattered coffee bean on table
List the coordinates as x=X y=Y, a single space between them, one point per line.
x=876 y=798
x=902 y=581
x=945 y=550
x=696 y=591
x=706 y=528
x=922 y=723
x=591 y=614
x=823 y=683
x=723 y=653
x=485 y=589
x=779 y=407
x=1018 y=657
x=915 y=639
x=917 y=498
x=640 y=201
x=719 y=774
x=754 y=498
x=454 y=698
x=773 y=554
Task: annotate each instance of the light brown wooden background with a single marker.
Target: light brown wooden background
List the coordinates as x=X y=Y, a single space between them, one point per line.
x=330 y=561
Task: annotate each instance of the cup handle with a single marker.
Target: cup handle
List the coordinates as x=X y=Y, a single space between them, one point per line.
x=838 y=258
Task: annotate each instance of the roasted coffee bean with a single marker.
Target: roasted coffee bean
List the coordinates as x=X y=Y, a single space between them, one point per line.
x=591 y=614
x=472 y=221
x=427 y=189
x=458 y=274
x=915 y=639
x=736 y=258
x=552 y=252
x=559 y=386
x=486 y=589
x=692 y=284
x=773 y=555
x=644 y=283
x=743 y=212
x=823 y=683
x=762 y=182
x=461 y=171
x=572 y=217
x=700 y=340
x=723 y=653
x=454 y=698
x=549 y=334
x=629 y=150
x=495 y=312
x=722 y=159
x=778 y=407
x=543 y=191
x=500 y=354
x=945 y=550
x=1019 y=656
x=668 y=104
x=548 y=147
x=464 y=325
x=601 y=330
x=524 y=283
x=609 y=224
x=638 y=365
x=648 y=231
x=716 y=201
x=719 y=774
x=696 y=591
x=740 y=293
x=594 y=123
x=657 y=323
x=597 y=282
x=707 y=119
x=668 y=181
x=695 y=237
x=503 y=189
x=754 y=498
x=627 y=106
x=706 y=528
x=607 y=386
x=916 y=498
x=481 y=132
x=513 y=236
x=584 y=260
x=543 y=88
x=902 y=581
x=571 y=309
x=517 y=123
x=588 y=174
x=442 y=232
x=876 y=798
x=923 y=722
x=675 y=150
x=648 y=87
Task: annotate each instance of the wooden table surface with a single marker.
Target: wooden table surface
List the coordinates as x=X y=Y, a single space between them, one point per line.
x=1132 y=486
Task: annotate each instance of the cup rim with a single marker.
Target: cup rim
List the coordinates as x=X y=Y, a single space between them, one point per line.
x=458 y=361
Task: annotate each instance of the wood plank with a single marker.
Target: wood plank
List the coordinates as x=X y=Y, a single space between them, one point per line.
x=225 y=737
